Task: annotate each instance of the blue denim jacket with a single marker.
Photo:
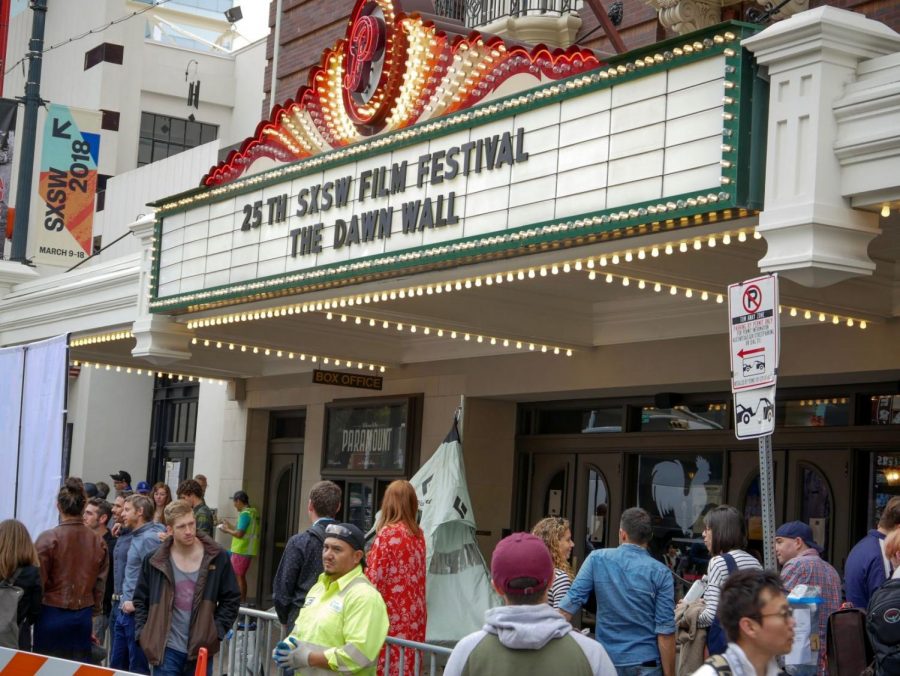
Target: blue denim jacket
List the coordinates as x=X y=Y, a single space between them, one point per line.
x=635 y=601
x=143 y=541
x=120 y=558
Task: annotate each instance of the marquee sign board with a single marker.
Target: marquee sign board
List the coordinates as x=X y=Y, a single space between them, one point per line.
x=623 y=150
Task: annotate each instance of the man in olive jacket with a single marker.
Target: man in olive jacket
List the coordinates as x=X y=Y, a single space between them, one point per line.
x=187 y=596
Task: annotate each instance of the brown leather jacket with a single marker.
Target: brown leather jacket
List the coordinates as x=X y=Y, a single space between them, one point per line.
x=74 y=565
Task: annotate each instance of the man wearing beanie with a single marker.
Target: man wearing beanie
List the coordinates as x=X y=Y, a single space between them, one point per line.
x=526 y=635
x=343 y=622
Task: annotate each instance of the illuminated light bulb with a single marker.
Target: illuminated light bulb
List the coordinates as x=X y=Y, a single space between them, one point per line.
x=688 y=293
x=399 y=326
x=567 y=267
x=849 y=322
x=592 y=275
x=448 y=287
x=742 y=236
x=531 y=346
x=885 y=211
x=328 y=316
x=385 y=325
x=609 y=279
x=499 y=279
x=793 y=312
x=412 y=328
x=657 y=287
x=343 y=318
x=654 y=252
x=230 y=346
x=642 y=255
x=255 y=350
x=554 y=270
x=493 y=341
x=669 y=249
x=440 y=333
x=467 y=337
x=520 y=275
x=477 y=282
x=711 y=242
x=756 y=235
x=683 y=247
x=324 y=360
x=720 y=298
x=835 y=320
x=673 y=290
x=628 y=257
x=821 y=316
x=602 y=261
x=625 y=281
x=615 y=259
x=863 y=325
x=243 y=348
x=543 y=272
x=506 y=342
x=479 y=339
x=642 y=284
x=468 y=284
x=578 y=265
x=543 y=348
x=453 y=335
x=704 y=295
x=268 y=352
x=426 y=331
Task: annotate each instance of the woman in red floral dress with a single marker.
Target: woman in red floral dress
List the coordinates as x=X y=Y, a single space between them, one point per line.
x=396 y=566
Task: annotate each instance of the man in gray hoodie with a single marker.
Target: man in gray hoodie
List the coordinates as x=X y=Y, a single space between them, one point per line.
x=526 y=636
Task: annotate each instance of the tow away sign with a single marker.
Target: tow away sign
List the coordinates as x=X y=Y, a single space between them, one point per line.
x=753 y=328
x=754 y=412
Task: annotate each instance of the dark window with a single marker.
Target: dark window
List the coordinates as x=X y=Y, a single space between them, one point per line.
x=101 y=193
x=104 y=52
x=162 y=136
x=110 y=121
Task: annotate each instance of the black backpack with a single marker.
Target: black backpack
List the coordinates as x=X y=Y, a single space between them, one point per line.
x=883 y=627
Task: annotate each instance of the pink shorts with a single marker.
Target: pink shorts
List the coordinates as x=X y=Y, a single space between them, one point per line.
x=240 y=563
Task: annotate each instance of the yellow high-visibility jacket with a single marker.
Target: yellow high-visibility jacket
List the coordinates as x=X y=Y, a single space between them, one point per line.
x=347 y=619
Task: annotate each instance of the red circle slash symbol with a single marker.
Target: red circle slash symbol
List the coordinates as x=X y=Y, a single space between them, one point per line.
x=366 y=45
x=752 y=298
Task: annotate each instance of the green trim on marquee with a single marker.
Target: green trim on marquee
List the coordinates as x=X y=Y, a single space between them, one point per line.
x=743 y=190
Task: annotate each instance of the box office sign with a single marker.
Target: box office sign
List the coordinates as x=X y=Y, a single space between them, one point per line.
x=570 y=162
x=361 y=437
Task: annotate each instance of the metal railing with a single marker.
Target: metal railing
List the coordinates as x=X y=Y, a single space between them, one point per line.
x=247 y=649
x=475 y=13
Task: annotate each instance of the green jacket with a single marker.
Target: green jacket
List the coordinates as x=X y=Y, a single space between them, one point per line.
x=249 y=544
x=347 y=619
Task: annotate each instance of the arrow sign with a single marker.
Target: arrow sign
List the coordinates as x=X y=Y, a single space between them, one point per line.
x=753 y=329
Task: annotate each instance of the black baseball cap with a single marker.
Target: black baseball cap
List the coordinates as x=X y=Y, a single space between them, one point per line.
x=121 y=475
x=347 y=532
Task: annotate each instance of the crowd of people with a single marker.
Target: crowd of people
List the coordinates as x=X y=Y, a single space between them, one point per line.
x=146 y=570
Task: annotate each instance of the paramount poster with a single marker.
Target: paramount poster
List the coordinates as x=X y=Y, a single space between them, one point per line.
x=64 y=201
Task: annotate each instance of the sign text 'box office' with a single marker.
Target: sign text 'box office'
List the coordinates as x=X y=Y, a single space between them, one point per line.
x=608 y=150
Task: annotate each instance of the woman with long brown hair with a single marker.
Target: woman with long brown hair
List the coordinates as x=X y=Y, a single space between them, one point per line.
x=74 y=564
x=162 y=496
x=396 y=566
x=19 y=567
x=557 y=536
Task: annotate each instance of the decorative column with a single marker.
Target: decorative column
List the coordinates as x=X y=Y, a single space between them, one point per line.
x=158 y=338
x=815 y=238
x=684 y=16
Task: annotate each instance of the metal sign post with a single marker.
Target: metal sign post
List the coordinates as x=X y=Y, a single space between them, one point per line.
x=753 y=328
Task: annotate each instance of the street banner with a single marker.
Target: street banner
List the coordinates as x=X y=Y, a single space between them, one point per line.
x=458 y=587
x=7 y=144
x=64 y=200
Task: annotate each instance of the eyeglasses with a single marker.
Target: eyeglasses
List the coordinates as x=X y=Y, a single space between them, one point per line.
x=338 y=529
x=785 y=613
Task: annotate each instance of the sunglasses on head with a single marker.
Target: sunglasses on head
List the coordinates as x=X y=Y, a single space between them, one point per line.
x=338 y=529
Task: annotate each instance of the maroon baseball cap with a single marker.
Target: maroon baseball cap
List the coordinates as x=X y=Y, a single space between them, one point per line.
x=521 y=565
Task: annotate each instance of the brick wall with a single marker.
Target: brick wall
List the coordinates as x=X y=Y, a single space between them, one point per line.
x=308 y=27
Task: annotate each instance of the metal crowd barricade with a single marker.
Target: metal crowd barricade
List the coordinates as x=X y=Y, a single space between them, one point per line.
x=247 y=649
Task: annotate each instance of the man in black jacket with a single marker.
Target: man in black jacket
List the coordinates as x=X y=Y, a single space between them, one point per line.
x=301 y=563
x=186 y=598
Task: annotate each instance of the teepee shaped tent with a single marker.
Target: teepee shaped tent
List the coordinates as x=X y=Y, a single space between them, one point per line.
x=458 y=586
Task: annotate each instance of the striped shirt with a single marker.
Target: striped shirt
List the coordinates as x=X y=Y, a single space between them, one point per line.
x=558 y=588
x=716 y=575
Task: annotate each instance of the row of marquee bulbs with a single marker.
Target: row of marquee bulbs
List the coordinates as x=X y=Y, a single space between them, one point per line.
x=118 y=368
x=522 y=274
x=302 y=356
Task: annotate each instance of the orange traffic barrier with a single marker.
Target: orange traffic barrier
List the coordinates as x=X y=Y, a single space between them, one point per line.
x=202 y=658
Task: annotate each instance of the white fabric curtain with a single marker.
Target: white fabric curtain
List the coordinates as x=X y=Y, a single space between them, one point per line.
x=41 y=441
x=12 y=363
x=33 y=381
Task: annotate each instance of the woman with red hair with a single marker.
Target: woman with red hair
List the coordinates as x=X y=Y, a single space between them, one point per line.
x=396 y=566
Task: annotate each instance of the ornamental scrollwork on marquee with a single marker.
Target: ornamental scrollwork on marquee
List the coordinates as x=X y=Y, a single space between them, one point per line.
x=684 y=16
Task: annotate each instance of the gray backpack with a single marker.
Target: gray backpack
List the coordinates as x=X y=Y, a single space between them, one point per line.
x=9 y=614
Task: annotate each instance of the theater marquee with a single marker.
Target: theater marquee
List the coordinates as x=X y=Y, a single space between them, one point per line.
x=656 y=139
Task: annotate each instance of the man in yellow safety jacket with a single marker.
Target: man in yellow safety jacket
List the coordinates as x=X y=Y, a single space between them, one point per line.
x=244 y=539
x=344 y=621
